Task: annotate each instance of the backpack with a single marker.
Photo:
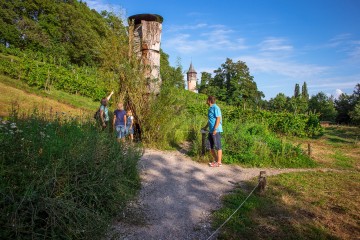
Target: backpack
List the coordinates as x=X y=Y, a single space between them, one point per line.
x=97 y=114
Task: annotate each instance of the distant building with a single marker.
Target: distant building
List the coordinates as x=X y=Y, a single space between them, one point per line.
x=191 y=78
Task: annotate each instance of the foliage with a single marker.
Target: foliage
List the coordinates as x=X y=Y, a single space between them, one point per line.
x=171 y=76
x=232 y=84
x=343 y=106
x=61 y=179
x=248 y=138
x=279 y=103
x=324 y=105
x=63 y=29
x=85 y=81
x=253 y=144
x=297 y=91
x=304 y=91
x=355 y=114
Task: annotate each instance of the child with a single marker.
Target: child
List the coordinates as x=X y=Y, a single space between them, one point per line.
x=130 y=124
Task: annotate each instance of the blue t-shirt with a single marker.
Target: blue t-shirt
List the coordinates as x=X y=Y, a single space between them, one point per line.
x=119 y=117
x=213 y=113
x=106 y=111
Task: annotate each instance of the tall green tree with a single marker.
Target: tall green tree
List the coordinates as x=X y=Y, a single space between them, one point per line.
x=204 y=83
x=297 y=91
x=65 y=29
x=343 y=106
x=171 y=76
x=279 y=103
x=320 y=103
x=304 y=92
x=355 y=114
x=234 y=84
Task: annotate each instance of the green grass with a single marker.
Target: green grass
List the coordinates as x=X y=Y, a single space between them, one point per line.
x=337 y=148
x=342 y=161
x=307 y=205
x=63 y=97
x=61 y=178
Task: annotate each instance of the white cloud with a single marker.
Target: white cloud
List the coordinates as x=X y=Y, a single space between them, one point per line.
x=177 y=28
x=210 y=37
x=272 y=44
x=355 y=52
x=101 y=5
x=337 y=94
x=285 y=68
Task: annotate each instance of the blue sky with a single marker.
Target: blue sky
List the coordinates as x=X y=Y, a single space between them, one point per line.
x=283 y=42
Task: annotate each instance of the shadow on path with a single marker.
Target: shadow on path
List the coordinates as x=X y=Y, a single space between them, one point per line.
x=178 y=196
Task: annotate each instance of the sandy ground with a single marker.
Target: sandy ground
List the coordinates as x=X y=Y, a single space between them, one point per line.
x=178 y=196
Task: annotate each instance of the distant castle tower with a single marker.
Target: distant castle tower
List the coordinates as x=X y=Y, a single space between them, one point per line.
x=191 y=78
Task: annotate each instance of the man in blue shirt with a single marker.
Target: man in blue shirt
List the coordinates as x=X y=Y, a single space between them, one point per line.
x=215 y=130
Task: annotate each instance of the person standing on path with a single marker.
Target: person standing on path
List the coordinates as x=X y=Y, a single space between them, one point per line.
x=104 y=111
x=119 y=122
x=215 y=130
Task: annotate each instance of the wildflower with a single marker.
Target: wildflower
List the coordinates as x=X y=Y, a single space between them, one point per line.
x=42 y=134
x=13 y=125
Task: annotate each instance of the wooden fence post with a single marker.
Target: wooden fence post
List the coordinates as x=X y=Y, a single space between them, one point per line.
x=262 y=181
x=309 y=150
x=203 y=142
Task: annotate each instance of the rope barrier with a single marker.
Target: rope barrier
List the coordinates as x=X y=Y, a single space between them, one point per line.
x=233 y=213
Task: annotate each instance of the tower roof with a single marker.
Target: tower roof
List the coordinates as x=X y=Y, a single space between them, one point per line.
x=191 y=69
x=145 y=16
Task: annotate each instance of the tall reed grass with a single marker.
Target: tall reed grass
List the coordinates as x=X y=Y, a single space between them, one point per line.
x=61 y=178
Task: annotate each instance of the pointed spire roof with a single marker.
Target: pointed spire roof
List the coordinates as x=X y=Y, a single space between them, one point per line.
x=191 y=69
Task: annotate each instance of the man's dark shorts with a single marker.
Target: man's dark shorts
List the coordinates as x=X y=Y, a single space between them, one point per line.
x=215 y=141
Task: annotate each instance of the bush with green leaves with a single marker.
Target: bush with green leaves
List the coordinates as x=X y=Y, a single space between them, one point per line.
x=253 y=144
x=62 y=179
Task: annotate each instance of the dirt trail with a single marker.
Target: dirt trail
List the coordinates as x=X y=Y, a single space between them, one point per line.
x=178 y=196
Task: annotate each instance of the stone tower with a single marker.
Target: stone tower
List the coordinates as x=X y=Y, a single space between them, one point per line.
x=144 y=41
x=191 y=78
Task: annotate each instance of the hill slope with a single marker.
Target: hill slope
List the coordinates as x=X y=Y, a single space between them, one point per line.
x=20 y=97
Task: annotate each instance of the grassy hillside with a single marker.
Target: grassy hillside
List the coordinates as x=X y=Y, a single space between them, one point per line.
x=17 y=94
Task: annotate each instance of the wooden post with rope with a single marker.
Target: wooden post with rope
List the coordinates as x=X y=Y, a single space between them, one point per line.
x=262 y=182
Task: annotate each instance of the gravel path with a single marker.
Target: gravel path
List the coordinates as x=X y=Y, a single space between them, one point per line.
x=178 y=196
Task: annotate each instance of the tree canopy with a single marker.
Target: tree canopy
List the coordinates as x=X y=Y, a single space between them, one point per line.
x=65 y=29
x=233 y=84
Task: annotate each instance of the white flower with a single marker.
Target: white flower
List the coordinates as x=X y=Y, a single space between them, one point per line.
x=13 y=125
